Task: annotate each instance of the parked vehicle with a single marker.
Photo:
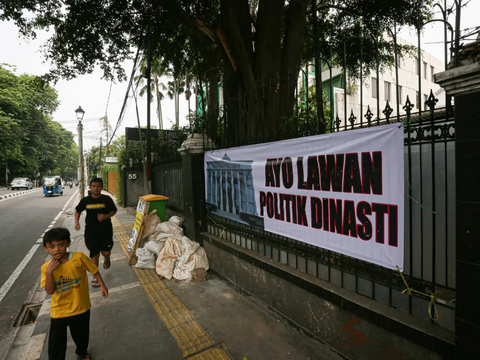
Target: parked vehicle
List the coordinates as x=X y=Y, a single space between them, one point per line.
x=52 y=185
x=21 y=183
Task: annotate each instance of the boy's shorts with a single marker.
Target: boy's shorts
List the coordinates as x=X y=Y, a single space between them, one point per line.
x=97 y=244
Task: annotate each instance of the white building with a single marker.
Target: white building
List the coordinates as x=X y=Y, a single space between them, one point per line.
x=386 y=89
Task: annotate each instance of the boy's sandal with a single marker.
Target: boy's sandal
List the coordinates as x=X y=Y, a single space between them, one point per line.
x=106 y=264
x=95 y=283
x=85 y=356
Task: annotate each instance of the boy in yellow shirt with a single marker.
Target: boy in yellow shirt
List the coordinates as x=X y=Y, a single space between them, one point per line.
x=65 y=278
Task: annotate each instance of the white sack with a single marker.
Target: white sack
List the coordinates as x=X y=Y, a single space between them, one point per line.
x=166 y=258
x=161 y=237
x=151 y=222
x=177 y=220
x=155 y=247
x=145 y=259
x=169 y=228
x=151 y=237
x=193 y=257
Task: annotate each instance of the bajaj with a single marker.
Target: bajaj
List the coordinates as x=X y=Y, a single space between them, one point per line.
x=52 y=185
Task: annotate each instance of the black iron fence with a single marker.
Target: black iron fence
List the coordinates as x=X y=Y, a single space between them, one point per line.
x=167 y=172
x=429 y=224
x=166 y=145
x=168 y=181
x=288 y=106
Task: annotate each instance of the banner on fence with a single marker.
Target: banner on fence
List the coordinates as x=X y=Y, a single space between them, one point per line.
x=343 y=191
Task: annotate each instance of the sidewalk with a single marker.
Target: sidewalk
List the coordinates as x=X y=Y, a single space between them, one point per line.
x=145 y=317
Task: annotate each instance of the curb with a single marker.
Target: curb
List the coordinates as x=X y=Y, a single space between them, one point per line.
x=3 y=197
x=39 y=335
x=26 y=337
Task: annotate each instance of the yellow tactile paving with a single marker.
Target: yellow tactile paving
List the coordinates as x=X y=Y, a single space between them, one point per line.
x=176 y=318
x=191 y=338
x=161 y=295
x=210 y=354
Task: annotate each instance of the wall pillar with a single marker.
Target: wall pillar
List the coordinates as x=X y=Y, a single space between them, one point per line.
x=464 y=84
x=192 y=152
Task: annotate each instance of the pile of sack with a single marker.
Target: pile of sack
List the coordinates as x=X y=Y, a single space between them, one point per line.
x=164 y=248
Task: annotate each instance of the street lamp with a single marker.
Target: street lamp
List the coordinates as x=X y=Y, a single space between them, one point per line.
x=80 y=113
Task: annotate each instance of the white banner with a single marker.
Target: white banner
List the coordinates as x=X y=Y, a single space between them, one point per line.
x=343 y=191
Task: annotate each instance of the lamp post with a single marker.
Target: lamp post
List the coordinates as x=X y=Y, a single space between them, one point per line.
x=79 y=112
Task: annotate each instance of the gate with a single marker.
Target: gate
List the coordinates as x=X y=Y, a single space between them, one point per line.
x=112 y=183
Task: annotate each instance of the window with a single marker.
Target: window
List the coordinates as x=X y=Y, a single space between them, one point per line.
x=416 y=67
x=386 y=88
x=425 y=98
x=424 y=70
x=399 y=62
x=432 y=72
x=399 y=92
x=417 y=101
x=374 y=88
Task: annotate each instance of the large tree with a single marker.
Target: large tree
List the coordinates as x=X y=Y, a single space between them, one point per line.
x=30 y=141
x=255 y=47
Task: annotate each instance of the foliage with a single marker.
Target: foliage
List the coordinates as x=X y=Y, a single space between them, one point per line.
x=30 y=141
x=247 y=44
x=158 y=69
x=306 y=118
x=308 y=121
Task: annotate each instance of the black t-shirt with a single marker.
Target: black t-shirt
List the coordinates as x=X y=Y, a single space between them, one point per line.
x=94 y=206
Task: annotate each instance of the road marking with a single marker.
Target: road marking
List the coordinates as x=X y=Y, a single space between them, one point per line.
x=57 y=217
x=13 y=277
x=71 y=198
x=8 y=284
x=115 y=289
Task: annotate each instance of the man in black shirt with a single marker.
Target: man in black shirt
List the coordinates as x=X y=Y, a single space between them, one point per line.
x=98 y=226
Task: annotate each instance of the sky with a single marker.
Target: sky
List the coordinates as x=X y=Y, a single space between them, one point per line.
x=94 y=96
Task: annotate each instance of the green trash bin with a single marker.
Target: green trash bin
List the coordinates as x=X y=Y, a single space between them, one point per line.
x=157 y=202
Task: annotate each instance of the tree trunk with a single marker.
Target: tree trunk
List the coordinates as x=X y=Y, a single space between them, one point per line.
x=318 y=74
x=212 y=96
x=236 y=22
x=159 y=105
x=177 y=101
x=295 y=21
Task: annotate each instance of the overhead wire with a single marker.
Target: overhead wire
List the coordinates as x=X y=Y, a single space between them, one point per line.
x=122 y=111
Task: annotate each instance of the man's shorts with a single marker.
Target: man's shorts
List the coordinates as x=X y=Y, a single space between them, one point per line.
x=97 y=244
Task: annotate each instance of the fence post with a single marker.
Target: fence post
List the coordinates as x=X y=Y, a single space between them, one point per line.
x=192 y=151
x=464 y=84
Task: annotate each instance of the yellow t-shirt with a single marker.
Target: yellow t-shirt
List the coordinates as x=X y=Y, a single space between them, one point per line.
x=71 y=296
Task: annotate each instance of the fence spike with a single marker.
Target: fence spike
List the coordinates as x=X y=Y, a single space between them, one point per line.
x=352 y=119
x=338 y=122
x=431 y=101
x=368 y=116
x=408 y=106
x=387 y=112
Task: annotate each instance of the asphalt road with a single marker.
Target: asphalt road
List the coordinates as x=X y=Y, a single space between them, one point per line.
x=23 y=220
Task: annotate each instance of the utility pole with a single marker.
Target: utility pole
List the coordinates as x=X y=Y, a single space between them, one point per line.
x=100 y=156
x=80 y=113
x=149 y=99
x=6 y=173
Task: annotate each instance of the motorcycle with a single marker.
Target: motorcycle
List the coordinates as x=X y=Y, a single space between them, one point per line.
x=70 y=184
